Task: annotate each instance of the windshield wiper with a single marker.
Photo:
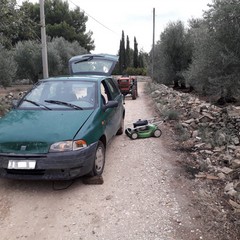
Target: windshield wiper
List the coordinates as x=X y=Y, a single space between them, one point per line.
x=84 y=60
x=64 y=103
x=37 y=104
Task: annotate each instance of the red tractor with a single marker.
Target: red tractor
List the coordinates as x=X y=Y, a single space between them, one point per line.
x=128 y=85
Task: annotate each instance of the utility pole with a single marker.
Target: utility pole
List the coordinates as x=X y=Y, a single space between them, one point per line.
x=43 y=39
x=153 y=45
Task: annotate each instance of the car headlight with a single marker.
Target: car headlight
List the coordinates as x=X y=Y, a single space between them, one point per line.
x=67 y=146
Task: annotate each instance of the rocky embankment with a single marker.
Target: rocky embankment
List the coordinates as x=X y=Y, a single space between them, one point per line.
x=209 y=133
x=6 y=101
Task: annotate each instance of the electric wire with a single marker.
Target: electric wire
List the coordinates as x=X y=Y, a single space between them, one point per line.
x=103 y=25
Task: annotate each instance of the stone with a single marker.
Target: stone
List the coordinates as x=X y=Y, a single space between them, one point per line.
x=93 y=180
x=155 y=94
x=208 y=115
x=189 y=121
x=235 y=163
x=229 y=190
x=237 y=187
x=195 y=133
x=205 y=119
x=235 y=140
x=234 y=204
x=200 y=145
x=226 y=170
x=221 y=176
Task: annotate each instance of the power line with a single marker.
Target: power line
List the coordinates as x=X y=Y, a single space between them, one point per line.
x=93 y=18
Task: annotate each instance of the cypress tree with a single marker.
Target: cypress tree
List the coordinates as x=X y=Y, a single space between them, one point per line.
x=135 y=54
x=122 y=55
x=128 y=57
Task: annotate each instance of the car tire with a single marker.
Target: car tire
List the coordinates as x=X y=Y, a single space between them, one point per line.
x=121 y=129
x=134 y=92
x=99 y=160
x=134 y=135
x=157 y=133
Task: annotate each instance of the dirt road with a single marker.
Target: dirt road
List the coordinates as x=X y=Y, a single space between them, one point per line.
x=143 y=197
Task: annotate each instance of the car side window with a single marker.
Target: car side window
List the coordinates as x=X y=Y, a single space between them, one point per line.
x=104 y=95
x=113 y=90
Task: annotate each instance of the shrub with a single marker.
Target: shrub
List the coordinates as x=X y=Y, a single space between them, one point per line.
x=8 y=67
x=181 y=133
x=136 y=71
x=171 y=114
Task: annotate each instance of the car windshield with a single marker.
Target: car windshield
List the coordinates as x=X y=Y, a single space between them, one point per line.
x=52 y=95
x=96 y=66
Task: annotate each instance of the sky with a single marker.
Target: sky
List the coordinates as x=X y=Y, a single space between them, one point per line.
x=135 y=18
x=108 y=18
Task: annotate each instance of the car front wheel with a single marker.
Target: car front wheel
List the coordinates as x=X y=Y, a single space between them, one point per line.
x=121 y=128
x=99 y=160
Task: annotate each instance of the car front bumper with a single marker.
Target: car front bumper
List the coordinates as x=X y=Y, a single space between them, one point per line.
x=51 y=166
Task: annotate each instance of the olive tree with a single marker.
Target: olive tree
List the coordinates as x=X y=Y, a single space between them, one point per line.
x=29 y=61
x=172 y=54
x=28 y=56
x=7 y=67
x=216 y=56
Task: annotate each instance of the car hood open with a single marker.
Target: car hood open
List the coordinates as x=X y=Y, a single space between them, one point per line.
x=34 y=131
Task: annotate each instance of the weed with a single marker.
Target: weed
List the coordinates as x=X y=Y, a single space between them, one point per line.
x=181 y=133
x=171 y=114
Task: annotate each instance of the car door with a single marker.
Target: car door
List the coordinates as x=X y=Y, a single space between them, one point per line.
x=108 y=115
x=114 y=94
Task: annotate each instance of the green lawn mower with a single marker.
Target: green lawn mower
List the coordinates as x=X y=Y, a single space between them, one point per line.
x=145 y=129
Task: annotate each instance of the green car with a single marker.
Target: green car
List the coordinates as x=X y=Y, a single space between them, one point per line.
x=60 y=129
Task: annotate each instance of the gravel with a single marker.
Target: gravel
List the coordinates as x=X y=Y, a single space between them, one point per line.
x=143 y=197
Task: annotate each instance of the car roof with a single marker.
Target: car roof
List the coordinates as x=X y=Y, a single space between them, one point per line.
x=95 y=78
x=93 y=64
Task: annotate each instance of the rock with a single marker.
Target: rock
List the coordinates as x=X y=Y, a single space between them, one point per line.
x=229 y=190
x=93 y=180
x=234 y=204
x=237 y=187
x=226 y=159
x=226 y=170
x=185 y=125
x=206 y=152
x=221 y=175
x=221 y=138
x=235 y=140
x=155 y=94
x=205 y=119
x=235 y=163
x=189 y=121
x=219 y=149
x=195 y=133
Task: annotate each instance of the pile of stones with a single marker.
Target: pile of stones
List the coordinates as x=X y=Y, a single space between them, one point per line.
x=213 y=135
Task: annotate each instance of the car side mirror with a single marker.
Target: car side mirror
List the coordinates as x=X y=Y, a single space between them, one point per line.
x=110 y=104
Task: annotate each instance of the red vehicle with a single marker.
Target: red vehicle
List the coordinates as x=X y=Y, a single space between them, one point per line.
x=128 y=85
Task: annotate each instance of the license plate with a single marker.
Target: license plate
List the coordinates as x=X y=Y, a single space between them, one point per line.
x=21 y=164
